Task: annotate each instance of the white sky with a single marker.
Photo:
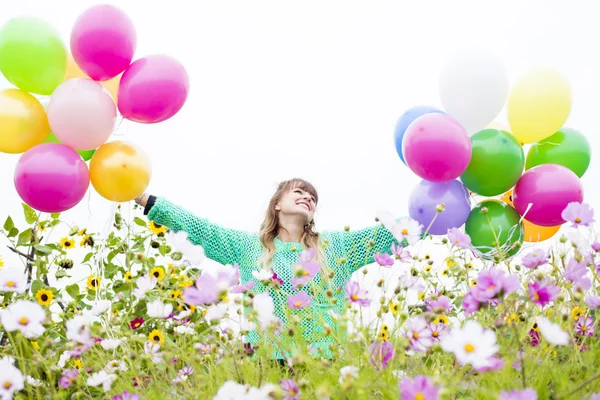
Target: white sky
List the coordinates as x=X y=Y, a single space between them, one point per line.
x=313 y=89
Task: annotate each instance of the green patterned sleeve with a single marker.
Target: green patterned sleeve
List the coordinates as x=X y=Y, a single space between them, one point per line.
x=222 y=245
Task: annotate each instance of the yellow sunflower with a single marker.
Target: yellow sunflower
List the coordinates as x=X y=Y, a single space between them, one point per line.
x=44 y=297
x=156 y=228
x=127 y=276
x=157 y=337
x=93 y=282
x=84 y=241
x=395 y=308
x=383 y=335
x=158 y=273
x=176 y=294
x=450 y=262
x=67 y=243
x=77 y=363
x=577 y=312
x=185 y=284
x=185 y=307
x=82 y=232
x=441 y=319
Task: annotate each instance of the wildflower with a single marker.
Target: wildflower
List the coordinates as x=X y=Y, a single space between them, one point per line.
x=438 y=331
x=536 y=258
x=25 y=316
x=115 y=365
x=526 y=394
x=585 y=326
x=99 y=307
x=578 y=214
x=158 y=273
x=459 y=239
x=395 y=308
x=575 y=272
x=67 y=243
x=577 y=312
x=299 y=300
x=494 y=283
x=400 y=253
x=153 y=348
x=407 y=229
x=216 y=312
x=44 y=297
x=69 y=376
x=290 y=387
x=262 y=275
x=440 y=305
x=552 y=332
x=441 y=319
x=13 y=279
x=263 y=305
x=78 y=328
x=348 y=372
x=127 y=276
x=471 y=344
x=384 y=259
x=496 y=363
x=110 y=344
x=381 y=352
x=305 y=270
x=11 y=380
x=542 y=292
x=580 y=242
x=158 y=309
x=144 y=284
x=156 y=337
x=87 y=240
x=136 y=323
x=356 y=294
x=193 y=253
x=243 y=288
x=593 y=301
x=156 y=228
x=418 y=332
x=101 y=378
x=470 y=304
x=93 y=282
x=127 y=395
x=418 y=388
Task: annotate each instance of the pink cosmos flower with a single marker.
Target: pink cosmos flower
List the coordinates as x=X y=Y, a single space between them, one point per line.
x=459 y=239
x=68 y=377
x=127 y=395
x=575 y=272
x=298 y=300
x=400 y=253
x=384 y=259
x=593 y=301
x=381 y=352
x=418 y=388
x=585 y=326
x=419 y=333
x=496 y=363
x=596 y=246
x=526 y=394
x=535 y=259
x=440 y=305
x=291 y=389
x=578 y=214
x=542 y=292
x=470 y=304
x=438 y=331
x=356 y=294
x=494 y=283
x=306 y=268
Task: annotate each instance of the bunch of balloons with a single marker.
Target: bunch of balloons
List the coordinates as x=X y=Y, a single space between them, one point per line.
x=88 y=87
x=460 y=153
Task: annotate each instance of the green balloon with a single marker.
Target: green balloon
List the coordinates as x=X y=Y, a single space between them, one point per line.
x=499 y=221
x=85 y=154
x=567 y=147
x=496 y=165
x=32 y=55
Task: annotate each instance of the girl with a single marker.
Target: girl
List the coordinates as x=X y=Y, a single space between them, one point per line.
x=287 y=230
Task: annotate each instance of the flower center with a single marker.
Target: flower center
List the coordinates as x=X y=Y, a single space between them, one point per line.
x=419 y=396
x=10 y=284
x=583 y=328
x=93 y=282
x=354 y=297
x=435 y=334
x=415 y=335
x=404 y=231
x=469 y=348
x=578 y=220
x=491 y=287
x=7 y=385
x=156 y=338
x=44 y=297
x=23 y=321
x=536 y=296
x=298 y=303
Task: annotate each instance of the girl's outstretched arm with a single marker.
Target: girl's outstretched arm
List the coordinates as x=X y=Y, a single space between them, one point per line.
x=223 y=245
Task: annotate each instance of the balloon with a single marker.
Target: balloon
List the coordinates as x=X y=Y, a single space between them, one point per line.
x=73 y=71
x=405 y=120
x=427 y=195
x=120 y=171
x=436 y=147
x=51 y=177
x=153 y=89
x=549 y=188
x=103 y=42
x=539 y=105
x=499 y=226
x=532 y=233
x=23 y=121
x=85 y=154
x=496 y=163
x=566 y=147
x=82 y=114
x=473 y=87
x=32 y=55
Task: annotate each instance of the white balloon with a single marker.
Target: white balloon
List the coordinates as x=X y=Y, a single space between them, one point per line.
x=473 y=87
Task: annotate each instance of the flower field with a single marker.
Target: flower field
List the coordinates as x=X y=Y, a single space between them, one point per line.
x=151 y=322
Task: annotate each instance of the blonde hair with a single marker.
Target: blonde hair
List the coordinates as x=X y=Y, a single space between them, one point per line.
x=270 y=227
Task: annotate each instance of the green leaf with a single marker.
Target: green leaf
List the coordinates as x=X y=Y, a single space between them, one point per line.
x=162 y=250
x=43 y=249
x=24 y=237
x=110 y=270
x=30 y=215
x=8 y=224
x=118 y=218
x=73 y=290
x=55 y=215
x=139 y=221
x=74 y=230
x=13 y=232
x=36 y=285
x=61 y=274
x=87 y=257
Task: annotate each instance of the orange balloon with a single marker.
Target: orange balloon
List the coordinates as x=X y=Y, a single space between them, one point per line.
x=532 y=233
x=73 y=71
x=23 y=121
x=120 y=171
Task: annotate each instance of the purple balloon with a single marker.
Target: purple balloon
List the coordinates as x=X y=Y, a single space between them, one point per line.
x=51 y=177
x=427 y=195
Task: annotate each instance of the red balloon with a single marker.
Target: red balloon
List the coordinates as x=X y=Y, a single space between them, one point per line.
x=549 y=188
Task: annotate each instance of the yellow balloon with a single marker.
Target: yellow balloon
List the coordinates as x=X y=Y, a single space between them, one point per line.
x=73 y=71
x=120 y=171
x=539 y=105
x=23 y=121
x=532 y=233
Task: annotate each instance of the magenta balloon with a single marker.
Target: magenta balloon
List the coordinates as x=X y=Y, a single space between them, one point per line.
x=153 y=89
x=436 y=147
x=549 y=188
x=103 y=42
x=51 y=177
x=427 y=195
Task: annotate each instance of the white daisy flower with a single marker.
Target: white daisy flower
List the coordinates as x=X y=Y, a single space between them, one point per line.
x=552 y=332
x=262 y=275
x=216 y=312
x=348 y=372
x=13 y=279
x=110 y=344
x=192 y=252
x=144 y=284
x=153 y=350
x=264 y=307
x=158 y=309
x=78 y=328
x=98 y=308
x=11 y=379
x=25 y=316
x=408 y=229
x=102 y=378
x=115 y=365
x=471 y=344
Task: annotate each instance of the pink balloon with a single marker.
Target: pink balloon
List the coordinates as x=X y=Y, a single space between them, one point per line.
x=51 y=177
x=103 y=42
x=153 y=89
x=549 y=188
x=82 y=114
x=436 y=147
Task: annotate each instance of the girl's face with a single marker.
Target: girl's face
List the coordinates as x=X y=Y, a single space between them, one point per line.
x=297 y=202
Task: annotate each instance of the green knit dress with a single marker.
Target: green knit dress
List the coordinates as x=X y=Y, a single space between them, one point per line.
x=346 y=252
